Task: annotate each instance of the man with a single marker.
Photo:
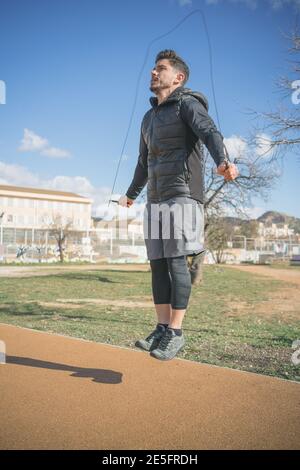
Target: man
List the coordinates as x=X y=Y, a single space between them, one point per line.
x=171 y=162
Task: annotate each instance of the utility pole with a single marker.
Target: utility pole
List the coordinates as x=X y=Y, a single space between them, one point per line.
x=1 y=237
x=1 y=231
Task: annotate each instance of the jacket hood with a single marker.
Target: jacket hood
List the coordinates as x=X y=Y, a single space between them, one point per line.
x=178 y=93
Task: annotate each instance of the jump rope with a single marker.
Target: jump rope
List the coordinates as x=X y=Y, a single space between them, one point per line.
x=194 y=12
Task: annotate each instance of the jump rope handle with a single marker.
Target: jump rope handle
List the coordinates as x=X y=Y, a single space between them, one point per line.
x=226 y=161
x=117 y=202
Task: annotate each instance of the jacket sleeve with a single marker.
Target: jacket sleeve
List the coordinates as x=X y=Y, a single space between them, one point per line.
x=197 y=118
x=140 y=176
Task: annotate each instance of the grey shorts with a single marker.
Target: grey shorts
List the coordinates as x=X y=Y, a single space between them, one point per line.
x=173 y=228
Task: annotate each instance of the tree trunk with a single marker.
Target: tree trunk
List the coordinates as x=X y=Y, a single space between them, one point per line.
x=195 y=265
x=61 y=253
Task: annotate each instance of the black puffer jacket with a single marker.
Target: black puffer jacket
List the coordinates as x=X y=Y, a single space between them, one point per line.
x=171 y=147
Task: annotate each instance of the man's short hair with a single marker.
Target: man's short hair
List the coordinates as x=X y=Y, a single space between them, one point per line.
x=175 y=61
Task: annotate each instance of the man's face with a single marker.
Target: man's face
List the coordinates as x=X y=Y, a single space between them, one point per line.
x=163 y=75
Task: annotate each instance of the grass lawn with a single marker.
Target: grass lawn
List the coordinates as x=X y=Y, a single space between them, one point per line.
x=221 y=326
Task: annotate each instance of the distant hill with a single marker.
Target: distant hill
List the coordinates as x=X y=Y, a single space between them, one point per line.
x=272 y=217
x=269 y=218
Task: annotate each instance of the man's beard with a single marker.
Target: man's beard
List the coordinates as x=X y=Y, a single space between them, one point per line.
x=158 y=86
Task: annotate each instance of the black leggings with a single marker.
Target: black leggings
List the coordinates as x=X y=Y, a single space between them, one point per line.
x=171 y=281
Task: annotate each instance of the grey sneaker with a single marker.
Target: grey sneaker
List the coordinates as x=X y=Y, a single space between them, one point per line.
x=152 y=341
x=169 y=346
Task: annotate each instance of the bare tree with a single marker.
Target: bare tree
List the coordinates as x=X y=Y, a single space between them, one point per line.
x=258 y=175
x=60 y=229
x=248 y=230
x=273 y=134
x=218 y=233
x=278 y=130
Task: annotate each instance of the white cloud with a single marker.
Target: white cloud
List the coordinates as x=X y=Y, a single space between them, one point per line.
x=263 y=145
x=18 y=175
x=72 y=184
x=250 y=212
x=236 y=146
x=254 y=212
x=32 y=142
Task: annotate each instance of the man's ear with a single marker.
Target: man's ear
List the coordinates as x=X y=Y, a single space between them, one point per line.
x=179 y=78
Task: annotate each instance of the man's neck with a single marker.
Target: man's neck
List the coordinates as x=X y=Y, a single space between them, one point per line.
x=162 y=95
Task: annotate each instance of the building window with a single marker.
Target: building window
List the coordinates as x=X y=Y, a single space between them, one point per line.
x=10 y=218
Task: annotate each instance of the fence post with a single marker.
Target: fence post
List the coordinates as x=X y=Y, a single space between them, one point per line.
x=111 y=241
x=46 y=240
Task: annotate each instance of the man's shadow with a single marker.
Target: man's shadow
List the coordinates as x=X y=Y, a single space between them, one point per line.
x=104 y=376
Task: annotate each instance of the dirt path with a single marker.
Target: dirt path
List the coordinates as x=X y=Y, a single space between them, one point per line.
x=24 y=271
x=288 y=275
x=283 y=302
x=29 y=271
x=63 y=393
x=78 y=303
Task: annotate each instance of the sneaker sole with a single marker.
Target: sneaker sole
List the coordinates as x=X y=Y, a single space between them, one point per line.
x=140 y=346
x=145 y=348
x=167 y=358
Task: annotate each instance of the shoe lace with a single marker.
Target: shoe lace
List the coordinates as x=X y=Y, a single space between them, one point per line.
x=165 y=341
x=152 y=335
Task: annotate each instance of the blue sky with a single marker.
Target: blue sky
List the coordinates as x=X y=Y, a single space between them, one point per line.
x=71 y=67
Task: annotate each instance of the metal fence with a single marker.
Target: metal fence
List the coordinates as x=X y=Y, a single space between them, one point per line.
x=33 y=245
x=109 y=244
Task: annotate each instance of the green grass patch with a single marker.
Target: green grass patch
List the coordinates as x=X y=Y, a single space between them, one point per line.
x=214 y=335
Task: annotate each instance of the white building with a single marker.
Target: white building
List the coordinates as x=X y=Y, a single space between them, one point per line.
x=274 y=230
x=27 y=213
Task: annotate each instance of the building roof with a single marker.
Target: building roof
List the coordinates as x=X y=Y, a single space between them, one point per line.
x=49 y=192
